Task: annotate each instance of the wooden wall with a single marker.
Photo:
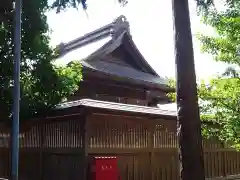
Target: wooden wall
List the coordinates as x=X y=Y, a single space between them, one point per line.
x=146 y=149
x=91 y=87
x=108 y=90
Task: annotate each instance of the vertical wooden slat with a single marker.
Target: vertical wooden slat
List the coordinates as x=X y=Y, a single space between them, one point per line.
x=238 y=163
x=92 y=132
x=79 y=131
x=53 y=135
x=62 y=127
x=73 y=127
x=125 y=134
x=31 y=137
x=60 y=134
x=118 y=134
x=218 y=162
x=213 y=162
x=143 y=137
x=231 y=162
x=109 y=130
x=48 y=131
x=70 y=134
x=234 y=163
x=138 y=135
x=108 y=134
x=151 y=129
x=130 y=136
x=134 y=138
x=95 y=134
x=85 y=126
x=104 y=135
x=65 y=135
x=111 y=134
x=121 y=130
x=41 y=134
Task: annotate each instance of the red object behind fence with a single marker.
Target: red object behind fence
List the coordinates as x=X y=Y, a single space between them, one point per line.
x=104 y=168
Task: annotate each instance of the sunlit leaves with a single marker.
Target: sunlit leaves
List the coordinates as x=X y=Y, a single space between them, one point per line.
x=224 y=46
x=42 y=85
x=223 y=93
x=222 y=97
x=219 y=106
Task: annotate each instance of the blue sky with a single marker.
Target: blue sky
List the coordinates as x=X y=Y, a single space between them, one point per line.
x=151 y=29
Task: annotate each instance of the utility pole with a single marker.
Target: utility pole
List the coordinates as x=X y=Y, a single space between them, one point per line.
x=189 y=124
x=16 y=92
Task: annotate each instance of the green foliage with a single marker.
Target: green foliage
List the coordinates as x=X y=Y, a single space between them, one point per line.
x=220 y=104
x=60 y=5
x=219 y=108
x=171 y=84
x=224 y=46
x=222 y=94
x=203 y=6
x=63 y=4
x=42 y=84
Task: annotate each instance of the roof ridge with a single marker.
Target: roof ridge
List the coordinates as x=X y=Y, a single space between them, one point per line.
x=113 y=29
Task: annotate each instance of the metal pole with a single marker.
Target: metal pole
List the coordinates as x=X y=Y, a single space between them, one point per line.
x=16 y=92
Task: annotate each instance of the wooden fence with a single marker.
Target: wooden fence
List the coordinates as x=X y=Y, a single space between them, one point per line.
x=146 y=149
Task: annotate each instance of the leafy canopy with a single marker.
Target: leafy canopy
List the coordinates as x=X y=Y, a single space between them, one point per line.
x=219 y=109
x=223 y=93
x=224 y=46
x=220 y=105
x=42 y=84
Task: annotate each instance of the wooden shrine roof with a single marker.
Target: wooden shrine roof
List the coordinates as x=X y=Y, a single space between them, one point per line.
x=123 y=72
x=119 y=33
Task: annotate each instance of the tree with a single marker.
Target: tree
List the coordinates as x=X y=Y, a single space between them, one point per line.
x=219 y=108
x=220 y=104
x=43 y=85
x=63 y=4
x=222 y=93
x=188 y=112
x=225 y=45
x=189 y=125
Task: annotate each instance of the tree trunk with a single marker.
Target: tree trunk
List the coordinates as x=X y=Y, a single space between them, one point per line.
x=189 y=125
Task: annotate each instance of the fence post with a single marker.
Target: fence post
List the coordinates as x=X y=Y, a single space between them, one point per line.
x=223 y=160
x=41 y=126
x=151 y=150
x=85 y=138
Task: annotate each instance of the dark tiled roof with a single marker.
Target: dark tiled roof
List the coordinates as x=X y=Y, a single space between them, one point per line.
x=119 y=31
x=116 y=106
x=123 y=71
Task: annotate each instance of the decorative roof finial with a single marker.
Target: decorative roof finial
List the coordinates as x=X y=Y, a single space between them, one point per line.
x=120 y=19
x=120 y=25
